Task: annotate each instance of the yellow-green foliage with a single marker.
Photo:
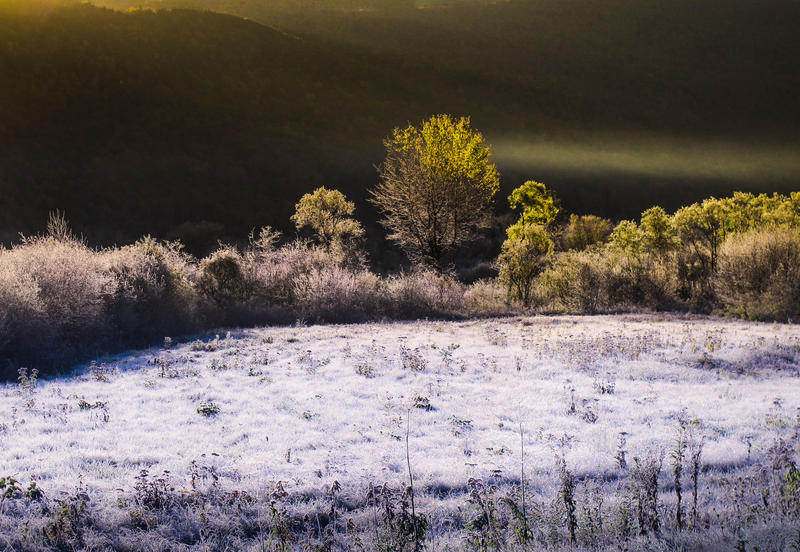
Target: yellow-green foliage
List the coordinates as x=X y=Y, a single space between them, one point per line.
x=704 y=226
x=523 y=258
x=585 y=230
x=528 y=245
x=654 y=234
x=450 y=150
x=537 y=204
x=657 y=232
x=328 y=214
x=666 y=259
x=436 y=187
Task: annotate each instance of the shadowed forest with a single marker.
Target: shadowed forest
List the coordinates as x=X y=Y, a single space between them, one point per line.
x=191 y=123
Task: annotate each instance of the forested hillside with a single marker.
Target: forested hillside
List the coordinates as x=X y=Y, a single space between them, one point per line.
x=138 y=122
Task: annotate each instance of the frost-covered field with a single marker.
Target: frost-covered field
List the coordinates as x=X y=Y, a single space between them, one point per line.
x=290 y=424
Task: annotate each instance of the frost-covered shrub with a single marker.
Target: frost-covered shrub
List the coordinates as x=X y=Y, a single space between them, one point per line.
x=223 y=278
x=340 y=294
x=59 y=297
x=71 y=279
x=758 y=274
x=486 y=298
x=577 y=282
x=153 y=293
x=20 y=307
x=275 y=271
x=425 y=293
x=54 y=292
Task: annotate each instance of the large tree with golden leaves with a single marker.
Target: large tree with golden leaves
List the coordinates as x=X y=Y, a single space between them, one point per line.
x=436 y=187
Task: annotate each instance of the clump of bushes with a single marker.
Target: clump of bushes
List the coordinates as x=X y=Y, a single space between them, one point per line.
x=61 y=300
x=424 y=292
x=152 y=288
x=52 y=291
x=340 y=293
x=758 y=274
x=736 y=255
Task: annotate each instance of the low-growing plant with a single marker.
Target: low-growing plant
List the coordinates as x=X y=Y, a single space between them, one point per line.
x=483 y=531
x=27 y=380
x=65 y=528
x=412 y=360
x=84 y=405
x=645 y=475
x=208 y=409
x=566 y=493
x=423 y=403
x=100 y=371
x=12 y=489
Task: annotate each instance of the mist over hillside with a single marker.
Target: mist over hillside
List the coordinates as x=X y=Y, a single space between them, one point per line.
x=137 y=122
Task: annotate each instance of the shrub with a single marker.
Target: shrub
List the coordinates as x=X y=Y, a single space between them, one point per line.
x=275 y=271
x=758 y=275
x=153 y=294
x=522 y=259
x=20 y=307
x=425 y=293
x=583 y=231
x=339 y=294
x=486 y=298
x=71 y=281
x=601 y=279
x=577 y=281
x=223 y=278
x=53 y=293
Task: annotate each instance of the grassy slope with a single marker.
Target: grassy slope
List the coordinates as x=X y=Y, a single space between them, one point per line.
x=142 y=121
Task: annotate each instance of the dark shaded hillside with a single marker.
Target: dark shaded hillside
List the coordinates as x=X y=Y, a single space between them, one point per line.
x=138 y=122
x=130 y=120
x=683 y=66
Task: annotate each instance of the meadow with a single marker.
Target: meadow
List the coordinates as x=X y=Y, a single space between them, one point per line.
x=658 y=432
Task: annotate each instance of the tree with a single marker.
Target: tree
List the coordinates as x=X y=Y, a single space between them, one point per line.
x=328 y=214
x=436 y=187
x=522 y=259
x=538 y=204
x=627 y=237
x=657 y=233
